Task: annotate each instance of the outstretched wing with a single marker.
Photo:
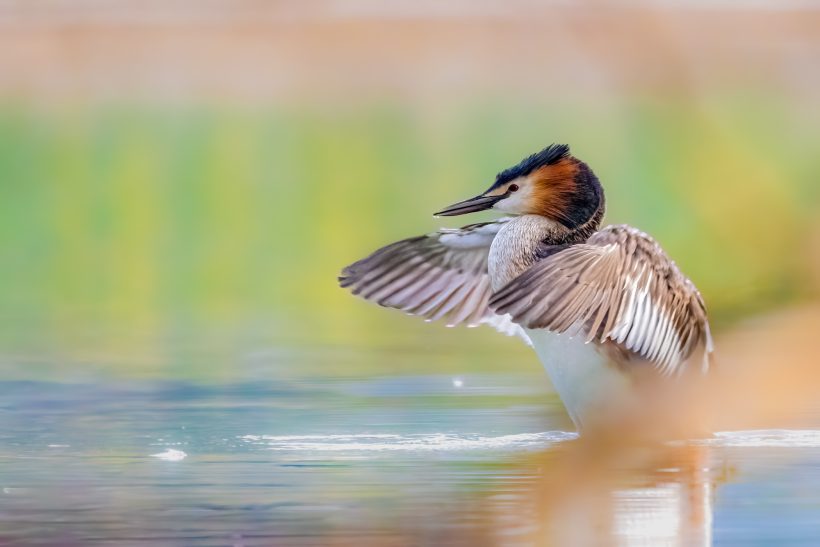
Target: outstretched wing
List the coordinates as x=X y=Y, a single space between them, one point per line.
x=442 y=275
x=619 y=286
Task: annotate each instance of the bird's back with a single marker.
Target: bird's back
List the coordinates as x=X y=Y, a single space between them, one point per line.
x=611 y=318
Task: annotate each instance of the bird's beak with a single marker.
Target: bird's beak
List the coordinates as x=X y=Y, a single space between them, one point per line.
x=472 y=205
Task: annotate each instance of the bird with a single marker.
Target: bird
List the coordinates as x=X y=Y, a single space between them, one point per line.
x=608 y=313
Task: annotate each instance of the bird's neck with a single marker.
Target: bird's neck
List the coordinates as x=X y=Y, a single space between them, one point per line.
x=561 y=235
x=526 y=239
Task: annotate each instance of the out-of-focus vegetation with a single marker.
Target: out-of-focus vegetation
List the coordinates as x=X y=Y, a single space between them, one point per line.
x=135 y=227
x=182 y=181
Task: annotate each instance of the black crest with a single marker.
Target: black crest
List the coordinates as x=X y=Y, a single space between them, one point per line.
x=549 y=155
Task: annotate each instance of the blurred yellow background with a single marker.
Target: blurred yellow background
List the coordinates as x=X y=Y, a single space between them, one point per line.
x=187 y=178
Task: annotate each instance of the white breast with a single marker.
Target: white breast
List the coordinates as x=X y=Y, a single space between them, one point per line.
x=590 y=387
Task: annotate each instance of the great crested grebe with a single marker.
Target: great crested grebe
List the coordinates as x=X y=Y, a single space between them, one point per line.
x=604 y=309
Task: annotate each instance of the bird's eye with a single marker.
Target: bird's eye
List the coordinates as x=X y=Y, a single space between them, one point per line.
x=512 y=188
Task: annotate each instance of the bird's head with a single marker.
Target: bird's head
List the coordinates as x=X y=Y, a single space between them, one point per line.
x=550 y=183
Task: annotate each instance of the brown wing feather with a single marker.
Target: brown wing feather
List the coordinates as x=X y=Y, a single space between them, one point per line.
x=442 y=275
x=620 y=287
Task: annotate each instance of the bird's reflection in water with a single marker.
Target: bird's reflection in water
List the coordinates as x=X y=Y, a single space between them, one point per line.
x=592 y=492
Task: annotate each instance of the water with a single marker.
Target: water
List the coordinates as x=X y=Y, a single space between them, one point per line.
x=391 y=460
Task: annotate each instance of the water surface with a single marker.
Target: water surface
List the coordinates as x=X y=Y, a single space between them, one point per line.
x=391 y=460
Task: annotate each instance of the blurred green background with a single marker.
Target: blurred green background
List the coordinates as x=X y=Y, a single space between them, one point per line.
x=173 y=230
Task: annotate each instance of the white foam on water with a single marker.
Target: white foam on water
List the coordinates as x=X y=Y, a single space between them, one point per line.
x=389 y=443
x=766 y=438
x=171 y=455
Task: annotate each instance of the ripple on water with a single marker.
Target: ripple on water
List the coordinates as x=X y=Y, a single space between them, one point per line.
x=446 y=442
x=767 y=438
x=423 y=442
